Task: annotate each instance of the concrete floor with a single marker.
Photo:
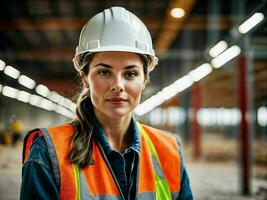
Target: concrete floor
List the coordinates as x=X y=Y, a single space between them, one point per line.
x=209 y=181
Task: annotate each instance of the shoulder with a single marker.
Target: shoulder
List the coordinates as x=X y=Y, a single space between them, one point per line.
x=161 y=135
x=42 y=137
x=35 y=149
x=163 y=139
x=62 y=129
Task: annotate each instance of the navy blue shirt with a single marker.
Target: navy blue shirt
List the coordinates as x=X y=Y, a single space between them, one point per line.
x=38 y=180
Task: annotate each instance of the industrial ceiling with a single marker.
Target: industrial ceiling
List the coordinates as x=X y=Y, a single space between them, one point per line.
x=39 y=37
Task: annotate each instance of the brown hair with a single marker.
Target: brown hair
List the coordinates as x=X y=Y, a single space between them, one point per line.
x=82 y=148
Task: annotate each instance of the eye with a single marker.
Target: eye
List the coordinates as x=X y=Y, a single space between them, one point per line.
x=131 y=74
x=104 y=72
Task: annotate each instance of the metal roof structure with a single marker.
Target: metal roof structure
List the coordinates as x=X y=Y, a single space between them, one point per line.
x=39 y=38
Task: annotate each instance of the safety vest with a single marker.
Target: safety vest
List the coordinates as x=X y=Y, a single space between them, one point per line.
x=159 y=171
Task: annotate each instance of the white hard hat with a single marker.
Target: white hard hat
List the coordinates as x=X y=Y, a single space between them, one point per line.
x=115 y=29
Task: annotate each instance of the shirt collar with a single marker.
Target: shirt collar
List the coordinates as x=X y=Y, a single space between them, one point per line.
x=103 y=140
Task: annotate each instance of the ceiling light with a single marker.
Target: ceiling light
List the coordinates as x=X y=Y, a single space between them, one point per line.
x=23 y=96
x=262 y=113
x=200 y=72
x=54 y=96
x=177 y=12
x=72 y=106
x=10 y=92
x=163 y=95
x=147 y=106
x=183 y=83
x=226 y=56
x=27 y=82
x=250 y=22
x=63 y=111
x=46 y=104
x=218 y=48
x=12 y=72
x=42 y=90
x=2 y=65
x=34 y=99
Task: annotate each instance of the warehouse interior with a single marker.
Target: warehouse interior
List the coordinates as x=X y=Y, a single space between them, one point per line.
x=209 y=87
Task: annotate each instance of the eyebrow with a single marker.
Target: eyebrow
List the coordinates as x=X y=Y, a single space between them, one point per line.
x=109 y=66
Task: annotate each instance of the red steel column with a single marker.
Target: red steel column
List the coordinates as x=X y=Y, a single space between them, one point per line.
x=244 y=126
x=195 y=128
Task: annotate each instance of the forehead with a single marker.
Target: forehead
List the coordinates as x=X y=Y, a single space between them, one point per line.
x=116 y=58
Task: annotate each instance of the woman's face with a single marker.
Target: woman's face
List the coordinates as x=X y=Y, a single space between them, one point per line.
x=115 y=80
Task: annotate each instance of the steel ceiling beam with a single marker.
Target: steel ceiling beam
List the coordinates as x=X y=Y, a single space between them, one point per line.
x=171 y=26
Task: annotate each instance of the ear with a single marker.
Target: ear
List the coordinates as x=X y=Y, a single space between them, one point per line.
x=84 y=80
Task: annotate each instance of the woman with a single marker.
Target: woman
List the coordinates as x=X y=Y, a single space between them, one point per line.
x=105 y=153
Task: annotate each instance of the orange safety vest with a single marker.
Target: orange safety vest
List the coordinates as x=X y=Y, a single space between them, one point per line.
x=97 y=181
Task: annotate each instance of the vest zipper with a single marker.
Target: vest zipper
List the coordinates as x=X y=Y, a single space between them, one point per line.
x=112 y=173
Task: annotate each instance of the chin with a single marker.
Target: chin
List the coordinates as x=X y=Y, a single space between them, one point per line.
x=118 y=113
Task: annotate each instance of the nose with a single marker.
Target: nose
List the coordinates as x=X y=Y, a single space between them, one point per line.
x=117 y=85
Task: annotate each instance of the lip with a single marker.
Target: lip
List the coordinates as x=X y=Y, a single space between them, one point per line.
x=117 y=100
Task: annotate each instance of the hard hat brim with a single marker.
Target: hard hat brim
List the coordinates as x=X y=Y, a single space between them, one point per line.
x=119 y=49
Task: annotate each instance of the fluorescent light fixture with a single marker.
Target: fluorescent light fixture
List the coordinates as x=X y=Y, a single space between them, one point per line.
x=250 y=22
x=35 y=99
x=218 y=116
x=42 y=90
x=72 y=107
x=63 y=111
x=183 y=83
x=65 y=102
x=27 y=82
x=23 y=96
x=2 y=65
x=55 y=97
x=68 y=104
x=262 y=116
x=163 y=95
x=46 y=104
x=177 y=12
x=12 y=72
x=226 y=56
x=218 y=48
x=10 y=92
x=200 y=72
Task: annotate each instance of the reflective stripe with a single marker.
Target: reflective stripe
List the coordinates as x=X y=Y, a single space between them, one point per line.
x=85 y=194
x=157 y=167
x=152 y=196
x=175 y=195
x=84 y=189
x=53 y=156
x=76 y=171
x=180 y=151
x=146 y=196
x=162 y=187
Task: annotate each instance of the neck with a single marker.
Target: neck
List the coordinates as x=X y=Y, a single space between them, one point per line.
x=116 y=130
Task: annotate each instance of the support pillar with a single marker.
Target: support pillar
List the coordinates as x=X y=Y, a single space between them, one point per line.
x=185 y=97
x=195 y=128
x=244 y=127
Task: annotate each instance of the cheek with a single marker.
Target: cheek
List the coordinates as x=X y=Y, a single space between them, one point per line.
x=96 y=86
x=136 y=89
